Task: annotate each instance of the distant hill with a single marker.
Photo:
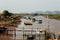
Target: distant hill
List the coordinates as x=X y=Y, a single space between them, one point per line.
x=42 y=12
x=48 y=12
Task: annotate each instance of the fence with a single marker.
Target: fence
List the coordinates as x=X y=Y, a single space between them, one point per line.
x=24 y=34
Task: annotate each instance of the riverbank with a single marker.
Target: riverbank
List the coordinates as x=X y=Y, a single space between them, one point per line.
x=10 y=22
x=53 y=16
x=5 y=37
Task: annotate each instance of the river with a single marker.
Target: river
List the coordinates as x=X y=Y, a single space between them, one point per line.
x=54 y=25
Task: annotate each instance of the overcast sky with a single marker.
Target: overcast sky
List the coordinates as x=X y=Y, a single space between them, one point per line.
x=19 y=6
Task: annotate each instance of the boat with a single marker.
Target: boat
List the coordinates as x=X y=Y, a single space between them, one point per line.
x=30 y=37
x=28 y=22
x=40 y=21
x=2 y=29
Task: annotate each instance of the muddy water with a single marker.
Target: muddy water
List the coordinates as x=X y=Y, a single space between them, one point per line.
x=54 y=25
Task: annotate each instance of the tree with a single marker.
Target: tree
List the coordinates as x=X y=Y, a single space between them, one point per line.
x=6 y=13
x=35 y=14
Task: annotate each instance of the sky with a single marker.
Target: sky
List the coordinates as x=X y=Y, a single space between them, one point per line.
x=28 y=6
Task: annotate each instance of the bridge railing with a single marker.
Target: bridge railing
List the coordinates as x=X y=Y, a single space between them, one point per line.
x=23 y=34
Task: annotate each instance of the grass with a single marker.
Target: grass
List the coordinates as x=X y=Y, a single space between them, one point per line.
x=53 y=16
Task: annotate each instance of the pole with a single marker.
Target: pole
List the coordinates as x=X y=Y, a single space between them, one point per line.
x=31 y=31
x=48 y=23
x=14 y=32
x=23 y=33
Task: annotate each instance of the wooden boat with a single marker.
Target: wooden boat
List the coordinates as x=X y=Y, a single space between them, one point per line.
x=28 y=23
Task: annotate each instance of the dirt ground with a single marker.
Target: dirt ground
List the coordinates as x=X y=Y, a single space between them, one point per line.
x=5 y=37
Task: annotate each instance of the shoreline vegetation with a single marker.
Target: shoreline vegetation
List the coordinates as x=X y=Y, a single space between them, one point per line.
x=52 y=16
x=9 y=20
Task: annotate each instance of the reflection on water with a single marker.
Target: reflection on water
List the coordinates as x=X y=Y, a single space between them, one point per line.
x=52 y=25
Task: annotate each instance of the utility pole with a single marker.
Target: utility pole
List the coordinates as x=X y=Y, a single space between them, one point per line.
x=23 y=33
x=48 y=22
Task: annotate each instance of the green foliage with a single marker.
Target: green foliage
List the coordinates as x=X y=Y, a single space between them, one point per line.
x=6 y=13
x=1 y=19
x=55 y=16
x=35 y=14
